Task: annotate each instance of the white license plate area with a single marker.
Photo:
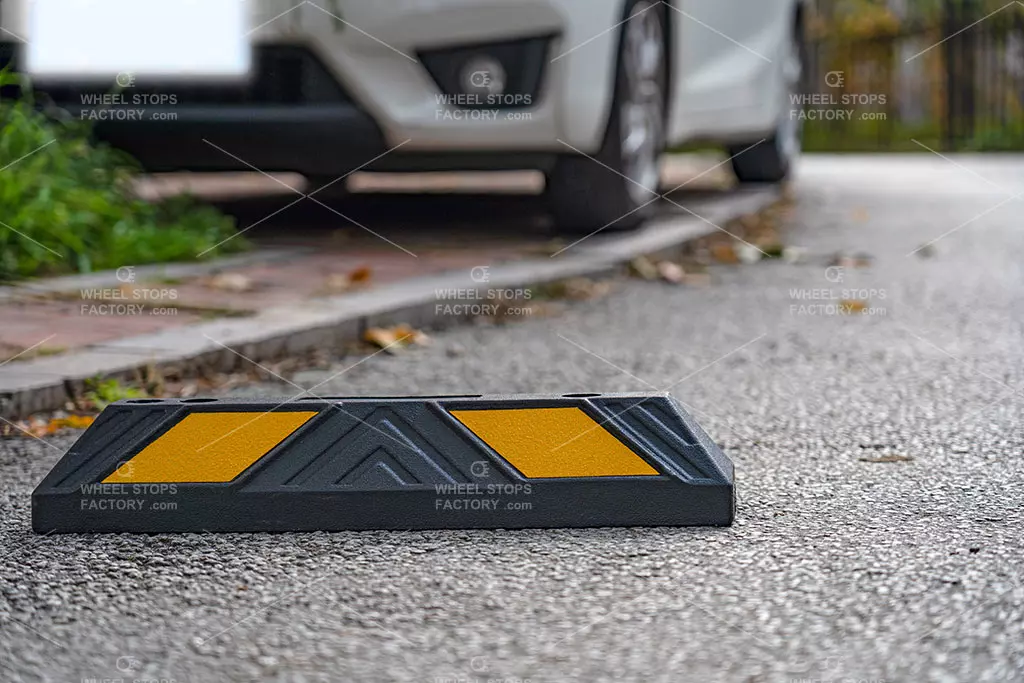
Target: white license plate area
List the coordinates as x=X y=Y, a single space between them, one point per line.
x=170 y=38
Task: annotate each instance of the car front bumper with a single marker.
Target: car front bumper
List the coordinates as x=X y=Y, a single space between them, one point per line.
x=340 y=91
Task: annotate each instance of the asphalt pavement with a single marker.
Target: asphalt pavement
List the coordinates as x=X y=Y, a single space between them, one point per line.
x=879 y=455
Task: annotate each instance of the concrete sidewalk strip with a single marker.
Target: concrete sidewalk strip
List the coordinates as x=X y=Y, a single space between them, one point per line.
x=329 y=321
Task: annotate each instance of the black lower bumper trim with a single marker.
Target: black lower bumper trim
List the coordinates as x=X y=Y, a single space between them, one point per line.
x=314 y=139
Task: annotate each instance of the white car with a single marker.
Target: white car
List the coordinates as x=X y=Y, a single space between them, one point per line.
x=591 y=92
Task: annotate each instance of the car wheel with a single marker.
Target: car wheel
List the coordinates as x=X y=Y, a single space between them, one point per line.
x=617 y=188
x=774 y=159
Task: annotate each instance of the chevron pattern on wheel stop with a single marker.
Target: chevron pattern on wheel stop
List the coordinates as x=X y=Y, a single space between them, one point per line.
x=349 y=440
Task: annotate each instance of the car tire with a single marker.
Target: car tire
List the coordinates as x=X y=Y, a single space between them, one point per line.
x=616 y=188
x=774 y=159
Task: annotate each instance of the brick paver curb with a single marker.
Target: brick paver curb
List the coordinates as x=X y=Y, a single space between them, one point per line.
x=74 y=283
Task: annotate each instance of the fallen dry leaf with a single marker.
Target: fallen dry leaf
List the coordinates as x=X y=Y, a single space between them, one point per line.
x=671 y=272
x=39 y=427
x=231 y=282
x=337 y=283
x=794 y=254
x=888 y=458
x=391 y=339
x=748 y=253
x=724 y=252
x=411 y=335
x=344 y=282
x=584 y=289
x=9 y=429
x=71 y=422
x=860 y=260
x=361 y=275
x=850 y=306
x=752 y=221
x=642 y=268
x=36 y=426
x=382 y=337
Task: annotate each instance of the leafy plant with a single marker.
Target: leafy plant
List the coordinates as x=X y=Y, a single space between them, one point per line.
x=66 y=202
x=101 y=393
x=997 y=139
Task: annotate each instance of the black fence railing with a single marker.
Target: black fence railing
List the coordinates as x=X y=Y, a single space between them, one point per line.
x=952 y=80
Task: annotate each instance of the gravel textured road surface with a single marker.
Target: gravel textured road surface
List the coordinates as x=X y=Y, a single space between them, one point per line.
x=880 y=533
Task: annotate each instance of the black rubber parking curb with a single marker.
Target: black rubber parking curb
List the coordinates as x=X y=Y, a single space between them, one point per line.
x=336 y=463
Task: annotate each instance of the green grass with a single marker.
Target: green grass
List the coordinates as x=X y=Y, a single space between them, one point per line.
x=102 y=392
x=882 y=136
x=870 y=136
x=860 y=135
x=66 y=203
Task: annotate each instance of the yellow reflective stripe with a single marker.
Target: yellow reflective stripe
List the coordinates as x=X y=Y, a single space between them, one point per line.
x=209 y=447
x=554 y=442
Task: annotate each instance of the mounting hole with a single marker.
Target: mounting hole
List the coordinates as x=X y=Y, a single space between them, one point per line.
x=579 y=395
x=198 y=400
x=144 y=400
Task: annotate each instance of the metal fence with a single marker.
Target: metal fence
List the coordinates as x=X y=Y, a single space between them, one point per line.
x=951 y=78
